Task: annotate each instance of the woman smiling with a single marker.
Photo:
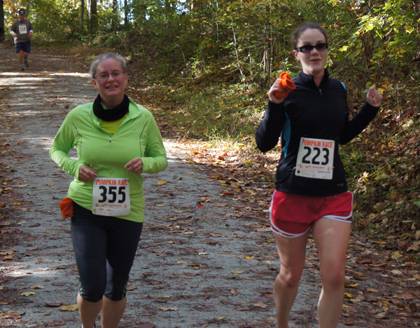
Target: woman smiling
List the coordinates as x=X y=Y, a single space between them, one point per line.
x=116 y=141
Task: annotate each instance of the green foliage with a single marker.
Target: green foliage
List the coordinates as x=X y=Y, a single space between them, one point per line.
x=244 y=41
x=216 y=111
x=55 y=20
x=211 y=63
x=383 y=39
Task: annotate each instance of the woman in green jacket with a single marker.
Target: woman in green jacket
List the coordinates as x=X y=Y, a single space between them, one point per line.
x=116 y=140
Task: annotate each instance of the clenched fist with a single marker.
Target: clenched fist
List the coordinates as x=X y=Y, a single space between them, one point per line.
x=373 y=97
x=135 y=165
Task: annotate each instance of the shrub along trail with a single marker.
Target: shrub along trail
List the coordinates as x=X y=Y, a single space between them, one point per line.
x=206 y=258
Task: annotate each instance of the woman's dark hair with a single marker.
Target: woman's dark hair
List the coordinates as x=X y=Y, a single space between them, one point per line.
x=302 y=28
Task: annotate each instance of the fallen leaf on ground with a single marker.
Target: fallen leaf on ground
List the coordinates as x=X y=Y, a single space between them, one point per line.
x=27 y=293
x=10 y=315
x=166 y=309
x=36 y=287
x=69 y=308
x=260 y=305
x=52 y=304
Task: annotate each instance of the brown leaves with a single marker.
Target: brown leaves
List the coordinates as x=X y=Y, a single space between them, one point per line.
x=378 y=286
x=7 y=255
x=414 y=247
x=161 y=182
x=69 y=308
x=243 y=175
x=10 y=315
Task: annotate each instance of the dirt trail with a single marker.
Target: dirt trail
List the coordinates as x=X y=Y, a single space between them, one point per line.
x=197 y=264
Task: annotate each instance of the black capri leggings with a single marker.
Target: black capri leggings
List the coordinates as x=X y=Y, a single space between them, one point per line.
x=104 y=248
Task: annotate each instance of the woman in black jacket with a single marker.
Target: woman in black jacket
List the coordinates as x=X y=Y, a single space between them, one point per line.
x=311 y=190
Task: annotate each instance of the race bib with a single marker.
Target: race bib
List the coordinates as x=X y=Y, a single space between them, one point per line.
x=111 y=197
x=315 y=158
x=23 y=29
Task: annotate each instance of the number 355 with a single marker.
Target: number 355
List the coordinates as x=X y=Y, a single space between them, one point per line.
x=112 y=194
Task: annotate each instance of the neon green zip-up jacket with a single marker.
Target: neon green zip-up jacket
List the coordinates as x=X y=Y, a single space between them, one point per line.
x=137 y=136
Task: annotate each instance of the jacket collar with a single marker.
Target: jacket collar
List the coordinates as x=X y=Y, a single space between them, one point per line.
x=308 y=80
x=133 y=112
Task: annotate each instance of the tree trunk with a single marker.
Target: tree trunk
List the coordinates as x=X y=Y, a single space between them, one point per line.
x=93 y=28
x=238 y=62
x=82 y=14
x=115 y=16
x=1 y=21
x=126 y=13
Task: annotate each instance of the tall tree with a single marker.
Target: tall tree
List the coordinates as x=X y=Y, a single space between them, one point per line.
x=115 y=16
x=93 y=28
x=126 y=12
x=1 y=21
x=82 y=14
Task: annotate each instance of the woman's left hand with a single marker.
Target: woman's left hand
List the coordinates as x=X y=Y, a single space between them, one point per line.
x=135 y=165
x=373 y=97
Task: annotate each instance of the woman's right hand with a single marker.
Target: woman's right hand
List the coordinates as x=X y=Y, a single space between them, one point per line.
x=281 y=88
x=277 y=94
x=86 y=174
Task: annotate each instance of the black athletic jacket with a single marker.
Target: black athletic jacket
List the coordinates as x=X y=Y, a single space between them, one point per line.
x=311 y=112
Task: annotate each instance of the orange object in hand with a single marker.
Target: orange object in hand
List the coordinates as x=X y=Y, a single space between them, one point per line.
x=66 y=207
x=286 y=85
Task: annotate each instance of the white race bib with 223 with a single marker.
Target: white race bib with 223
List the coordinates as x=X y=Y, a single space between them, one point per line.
x=315 y=158
x=111 y=197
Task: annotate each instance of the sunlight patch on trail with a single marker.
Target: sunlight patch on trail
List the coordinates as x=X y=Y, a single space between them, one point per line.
x=42 y=141
x=16 y=79
x=31 y=271
x=21 y=80
x=70 y=74
x=26 y=113
x=77 y=74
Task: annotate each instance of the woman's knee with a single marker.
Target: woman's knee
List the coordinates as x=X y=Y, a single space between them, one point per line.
x=92 y=293
x=92 y=290
x=333 y=277
x=288 y=277
x=116 y=292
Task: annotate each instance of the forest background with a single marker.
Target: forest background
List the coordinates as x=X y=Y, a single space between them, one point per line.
x=208 y=64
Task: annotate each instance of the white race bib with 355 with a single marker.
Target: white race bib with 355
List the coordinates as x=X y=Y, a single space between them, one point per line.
x=111 y=197
x=23 y=29
x=315 y=158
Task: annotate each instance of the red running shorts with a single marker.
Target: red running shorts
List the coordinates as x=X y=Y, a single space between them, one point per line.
x=293 y=215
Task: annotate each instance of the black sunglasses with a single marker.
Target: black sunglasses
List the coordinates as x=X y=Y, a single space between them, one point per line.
x=307 y=48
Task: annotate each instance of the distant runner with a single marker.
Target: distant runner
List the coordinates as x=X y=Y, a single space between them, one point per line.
x=21 y=32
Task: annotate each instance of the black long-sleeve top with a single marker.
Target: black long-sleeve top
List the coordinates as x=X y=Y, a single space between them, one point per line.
x=320 y=114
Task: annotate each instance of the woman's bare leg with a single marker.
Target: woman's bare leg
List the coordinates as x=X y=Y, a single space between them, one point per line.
x=292 y=260
x=332 y=238
x=112 y=312
x=88 y=311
